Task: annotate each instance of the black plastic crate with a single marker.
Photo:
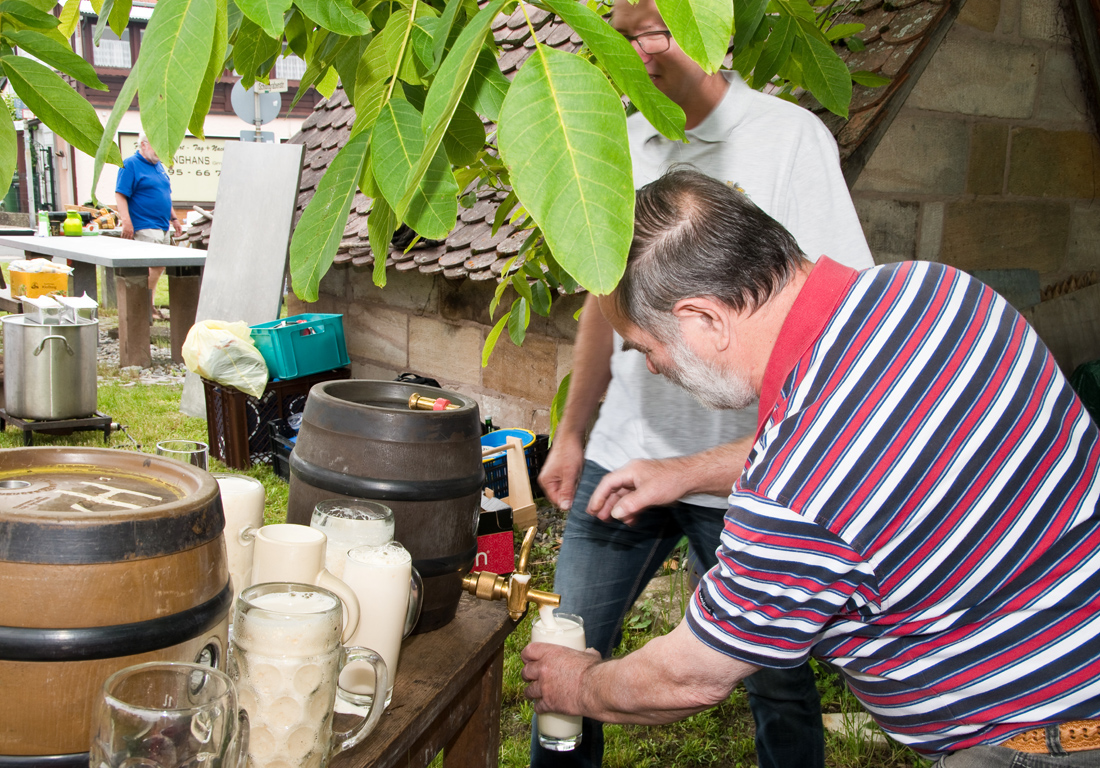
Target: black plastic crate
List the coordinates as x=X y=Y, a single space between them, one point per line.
x=236 y=423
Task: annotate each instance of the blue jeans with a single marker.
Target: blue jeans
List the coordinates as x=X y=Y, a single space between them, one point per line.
x=601 y=570
x=1002 y=757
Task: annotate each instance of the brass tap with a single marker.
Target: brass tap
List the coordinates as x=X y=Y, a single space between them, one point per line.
x=517 y=592
x=419 y=403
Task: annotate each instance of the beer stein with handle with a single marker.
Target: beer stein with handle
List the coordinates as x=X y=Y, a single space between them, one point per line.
x=169 y=715
x=286 y=552
x=285 y=657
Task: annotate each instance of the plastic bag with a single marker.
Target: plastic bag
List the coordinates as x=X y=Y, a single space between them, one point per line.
x=224 y=353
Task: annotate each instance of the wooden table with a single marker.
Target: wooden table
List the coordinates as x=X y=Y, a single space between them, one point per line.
x=131 y=261
x=447 y=696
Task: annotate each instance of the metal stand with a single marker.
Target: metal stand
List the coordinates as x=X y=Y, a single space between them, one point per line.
x=57 y=426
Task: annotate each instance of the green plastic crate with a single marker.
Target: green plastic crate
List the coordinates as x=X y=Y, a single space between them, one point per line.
x=302 y=345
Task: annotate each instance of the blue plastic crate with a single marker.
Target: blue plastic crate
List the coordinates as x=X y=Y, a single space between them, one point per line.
x=302 y=345
x=496 y=465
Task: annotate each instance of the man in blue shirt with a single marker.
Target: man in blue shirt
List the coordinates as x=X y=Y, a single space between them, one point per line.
x=144 y=197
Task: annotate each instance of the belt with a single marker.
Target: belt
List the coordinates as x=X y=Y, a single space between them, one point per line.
x=1076 y=736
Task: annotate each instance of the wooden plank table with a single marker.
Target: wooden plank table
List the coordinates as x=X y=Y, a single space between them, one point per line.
x=446 y=698
x=131 y=261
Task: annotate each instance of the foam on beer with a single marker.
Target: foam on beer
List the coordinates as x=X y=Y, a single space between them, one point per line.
x=285 y=676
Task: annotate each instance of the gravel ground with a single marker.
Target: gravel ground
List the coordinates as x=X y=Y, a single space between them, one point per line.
x=162 y=370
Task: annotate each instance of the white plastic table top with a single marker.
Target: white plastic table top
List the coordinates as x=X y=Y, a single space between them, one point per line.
x=111 y=252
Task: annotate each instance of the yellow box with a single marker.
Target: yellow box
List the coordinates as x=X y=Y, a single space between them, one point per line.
x=35 y=284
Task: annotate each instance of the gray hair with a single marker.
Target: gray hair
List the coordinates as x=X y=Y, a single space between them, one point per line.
x=696 y=236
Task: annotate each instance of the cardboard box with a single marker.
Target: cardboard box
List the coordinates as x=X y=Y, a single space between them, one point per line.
x=35 y=284
x=496 y=548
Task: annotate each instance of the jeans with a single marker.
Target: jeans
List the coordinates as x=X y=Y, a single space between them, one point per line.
x=602 y=569
x=1002 y=757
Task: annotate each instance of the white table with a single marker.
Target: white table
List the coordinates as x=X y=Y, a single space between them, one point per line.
x=131 y=261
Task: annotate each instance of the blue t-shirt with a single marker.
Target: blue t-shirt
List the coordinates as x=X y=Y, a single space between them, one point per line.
x=148 y=191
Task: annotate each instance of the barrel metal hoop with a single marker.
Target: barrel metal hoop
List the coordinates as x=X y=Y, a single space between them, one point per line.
x=385 y=490
x=47 y=543
x=74 y=760
x=431 y=567
x=87 y=643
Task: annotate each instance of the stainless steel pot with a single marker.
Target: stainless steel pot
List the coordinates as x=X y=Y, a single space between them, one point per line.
x=49 y=370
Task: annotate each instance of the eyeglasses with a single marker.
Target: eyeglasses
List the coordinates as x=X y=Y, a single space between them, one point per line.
x=651 y=42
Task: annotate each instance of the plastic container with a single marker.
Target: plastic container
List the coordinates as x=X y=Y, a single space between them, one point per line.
x=496 y=465
x=302 y=345
x=237 y=424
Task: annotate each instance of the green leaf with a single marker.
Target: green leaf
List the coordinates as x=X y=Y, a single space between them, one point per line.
x=504 y=209
x=563 y=135
x=373 y=68
x=28 y=15
x=56 y=103
x=338 y=16
x=838 y=31
x=328 y=83
x=53 y=53
x=325 y=49
x=381 y=224
x=557 y=405
x=254 y=47
x=776 y=51
x=70 y=17
x=443 y=31
x=855 y=44
x=540 y=298
x=422 y=39
x=399 y=53
x=519 y=283
x=747 y=15
x=465 y=137
x=624 y=65
x=321 y=227
x=296 y=29
x=702 y=28
x=107 y=146
x=825 y=74
x=397 y=144
x=487 y=87
x=368 y=105
x=518 y=320
x=268 y=15
x=175 y=55
x=214 y=68
x=347 y=59
x=870 y=79
x=491 y=340
x=119 y=16
x=103 y=21
x=9 y=146
x=445 y=92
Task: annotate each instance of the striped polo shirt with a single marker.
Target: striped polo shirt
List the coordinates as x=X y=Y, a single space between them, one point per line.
x=920 y=509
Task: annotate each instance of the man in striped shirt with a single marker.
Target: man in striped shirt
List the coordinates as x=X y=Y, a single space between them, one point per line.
x=919 y=509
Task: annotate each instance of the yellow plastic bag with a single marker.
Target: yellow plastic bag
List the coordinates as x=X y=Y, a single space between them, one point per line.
x=224 y=353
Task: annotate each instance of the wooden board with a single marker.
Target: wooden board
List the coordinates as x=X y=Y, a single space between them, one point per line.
x=249 y=242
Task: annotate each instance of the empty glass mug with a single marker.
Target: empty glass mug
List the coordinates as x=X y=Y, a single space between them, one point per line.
x=169 y=715
x=191 y=452
x=285 y=657
x=351 y=523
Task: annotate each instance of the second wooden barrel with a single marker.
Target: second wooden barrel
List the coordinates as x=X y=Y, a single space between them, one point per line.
x=107 y=559
x=359 y=439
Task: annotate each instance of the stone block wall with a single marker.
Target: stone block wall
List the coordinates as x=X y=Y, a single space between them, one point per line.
x=437 y=327
x=993 y=161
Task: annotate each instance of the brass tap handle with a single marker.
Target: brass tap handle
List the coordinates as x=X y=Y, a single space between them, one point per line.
x=419 y=403
x=515 y=591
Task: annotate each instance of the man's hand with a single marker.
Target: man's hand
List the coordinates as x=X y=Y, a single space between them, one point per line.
x=624 y=493
x=178 y=227
x=127 y=229
x=555 y=676
x=561 y=471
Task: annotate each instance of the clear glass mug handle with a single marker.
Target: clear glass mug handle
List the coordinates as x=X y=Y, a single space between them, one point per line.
x=416 y=602
x=242 y=738
x=347 y=597
x=348 y=739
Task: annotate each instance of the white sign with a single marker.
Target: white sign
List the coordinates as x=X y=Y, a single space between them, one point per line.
x=276 y=85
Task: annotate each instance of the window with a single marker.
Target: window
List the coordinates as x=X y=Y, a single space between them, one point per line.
x=291 y=67
x=112 y=50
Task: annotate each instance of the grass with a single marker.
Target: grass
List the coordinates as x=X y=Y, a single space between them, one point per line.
x=721 y=737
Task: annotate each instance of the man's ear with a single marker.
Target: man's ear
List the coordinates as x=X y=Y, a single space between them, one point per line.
x=703 y=321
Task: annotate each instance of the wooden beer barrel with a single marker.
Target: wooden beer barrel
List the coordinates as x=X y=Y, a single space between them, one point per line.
x=107 y=559
x=359 y=439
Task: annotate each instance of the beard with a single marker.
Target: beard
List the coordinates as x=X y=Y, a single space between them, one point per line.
x=712 y=386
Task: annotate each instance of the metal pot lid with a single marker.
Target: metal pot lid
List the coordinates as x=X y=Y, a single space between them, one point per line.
x=75 y=504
